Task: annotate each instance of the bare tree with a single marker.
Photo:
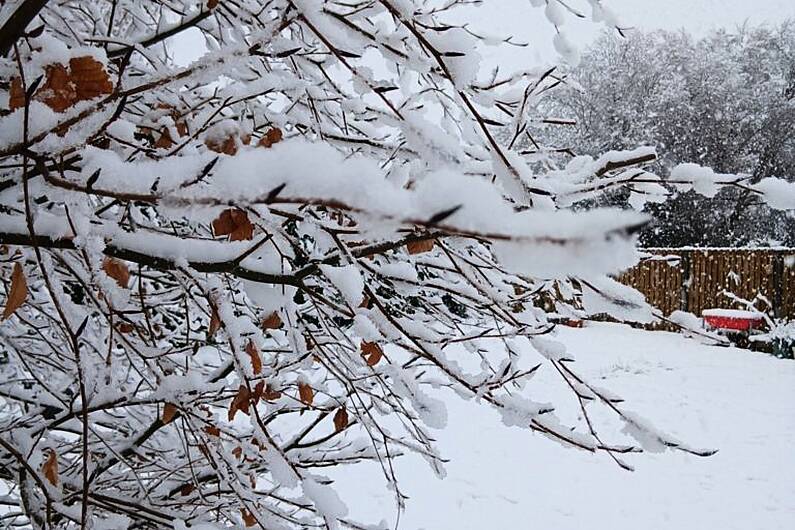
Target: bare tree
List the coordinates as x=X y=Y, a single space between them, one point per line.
x=221 y=278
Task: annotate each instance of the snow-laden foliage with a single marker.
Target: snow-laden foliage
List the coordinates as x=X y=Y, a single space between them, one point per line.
x=223 y=277
x=726 y=101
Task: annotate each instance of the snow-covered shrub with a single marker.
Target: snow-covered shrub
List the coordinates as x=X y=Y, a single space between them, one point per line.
x=223 y=277
x=781 y=337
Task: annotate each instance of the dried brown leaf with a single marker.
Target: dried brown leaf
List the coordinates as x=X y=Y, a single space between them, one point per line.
x=240 y=402
x=117 y=270
x=234 y=222
x=306 y=394
x=248 y=518
x=164 y=141
x=89 y=78
x=340 y=419
x=169 y=411
x=272 y=136
x=270 y=394
x=272 y=321
x=57 y=92
x=125 y=327
x=253 y=353
x=366 y=302
x=227 y=146
x=16 y=95
x=418 y=247
x=264 y=391
x=18 y=292
x=50 y=468
x=372 y=352
x=84 y=79
x=259 y=389
x=215 y=321
x=212 y=430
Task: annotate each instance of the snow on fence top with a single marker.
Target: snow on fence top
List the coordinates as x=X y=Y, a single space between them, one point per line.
x=717 y=249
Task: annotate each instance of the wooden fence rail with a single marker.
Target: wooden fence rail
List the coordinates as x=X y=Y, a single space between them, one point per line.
x=695 y=279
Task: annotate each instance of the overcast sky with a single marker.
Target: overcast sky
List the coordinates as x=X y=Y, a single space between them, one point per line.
x=519 y=18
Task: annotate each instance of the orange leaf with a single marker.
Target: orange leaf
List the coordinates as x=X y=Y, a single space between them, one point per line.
x=273 y=136
x=215 y=322
x=57 y=92
x=366 y=302
x=125 y=327
x=234 y=223
x=169 y=411
x=371 y=352
x=248 y=518
x=272 y=321
x=270 y=394
x=418 y=247
x=259 y=389
x=50 y=468
x=306 y=393
x=117 y=270
x=18 y=292
x=340 y=419
x=227 y=146
x=212 y=4
x=16 y=96
x=253 y=353
x=85 y=79
x=164 y=141
x=240 y=402
x=212 y=430
x=89 y=78
x=186 y=489
x=264 y=391
x=238 y=452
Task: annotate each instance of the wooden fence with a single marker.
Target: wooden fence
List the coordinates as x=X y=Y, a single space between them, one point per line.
x=695 y=279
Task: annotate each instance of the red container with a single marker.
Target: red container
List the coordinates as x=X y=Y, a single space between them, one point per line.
x=733 y=323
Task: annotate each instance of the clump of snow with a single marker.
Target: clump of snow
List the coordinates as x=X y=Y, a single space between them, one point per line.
x=348 y=280
x=551 y=349
x=325 y=499
x=731 y=313
x=703 y=179
x=778 y=193
x=567 y=49
x=122 y=129
x=607 y=296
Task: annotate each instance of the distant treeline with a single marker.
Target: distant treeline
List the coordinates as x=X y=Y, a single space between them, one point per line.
x=726 y=101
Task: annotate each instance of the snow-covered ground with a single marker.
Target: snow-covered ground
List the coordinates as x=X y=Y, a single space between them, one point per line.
x=739 y=402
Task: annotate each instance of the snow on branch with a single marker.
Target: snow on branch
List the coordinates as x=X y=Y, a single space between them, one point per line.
x=221 y=278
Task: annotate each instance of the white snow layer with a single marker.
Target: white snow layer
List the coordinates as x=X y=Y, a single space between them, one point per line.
x=498 y=477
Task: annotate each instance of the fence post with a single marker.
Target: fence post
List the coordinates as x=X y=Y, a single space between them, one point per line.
x=778 y=283
x=684 y=292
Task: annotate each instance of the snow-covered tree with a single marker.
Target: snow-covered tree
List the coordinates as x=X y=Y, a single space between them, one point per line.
x=724 y=101
x=222 y=278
